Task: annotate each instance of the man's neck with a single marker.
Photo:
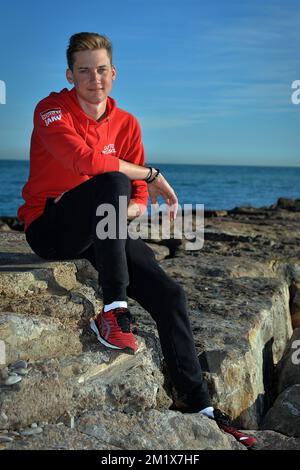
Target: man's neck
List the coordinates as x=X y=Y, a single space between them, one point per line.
x=95 y=111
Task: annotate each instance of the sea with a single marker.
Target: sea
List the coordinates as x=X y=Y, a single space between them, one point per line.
x=218 y=187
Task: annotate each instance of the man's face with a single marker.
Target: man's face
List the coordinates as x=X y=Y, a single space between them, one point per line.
x=92 y=75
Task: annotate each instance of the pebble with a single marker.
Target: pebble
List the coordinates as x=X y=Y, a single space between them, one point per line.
x=12 y=380
x=31 y=431
x=13 y=374
x=20 y=364
x=4 y=373
x=3 y=420
x=34 y=425
x=6 y=439
x=22 y=371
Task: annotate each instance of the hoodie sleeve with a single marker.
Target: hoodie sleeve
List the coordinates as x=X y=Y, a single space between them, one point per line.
x=54 y=127
x=136 y=155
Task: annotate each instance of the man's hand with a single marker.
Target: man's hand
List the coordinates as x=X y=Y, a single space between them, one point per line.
x=160 y=187
x=133 y=210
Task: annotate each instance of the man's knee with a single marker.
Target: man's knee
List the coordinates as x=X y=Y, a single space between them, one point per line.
x=175 y=296
x=115 y=179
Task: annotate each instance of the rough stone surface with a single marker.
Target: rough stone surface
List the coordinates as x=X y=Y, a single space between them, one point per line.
x=58 y=437
x=288 y=368
x=271 y=440
x=284 y=416
x=33 y=337
x=90 y=380
x=242 y=296
x=156 y=430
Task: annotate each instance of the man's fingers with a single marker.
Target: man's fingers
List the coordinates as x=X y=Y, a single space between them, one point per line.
x=154 y=202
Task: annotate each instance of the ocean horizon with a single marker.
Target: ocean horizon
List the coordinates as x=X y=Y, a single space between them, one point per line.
x=218 y=187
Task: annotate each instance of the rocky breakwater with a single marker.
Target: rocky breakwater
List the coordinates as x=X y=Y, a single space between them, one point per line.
x=60 y=389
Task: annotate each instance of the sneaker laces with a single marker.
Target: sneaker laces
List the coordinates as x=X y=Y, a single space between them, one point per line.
x=222 y=418
x=124 y=319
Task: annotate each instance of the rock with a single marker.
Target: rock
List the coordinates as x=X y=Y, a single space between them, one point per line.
x=239 y=294
x=6 y=438
x=287 y=369
x=240 y=327
x=67 y=419
x=3 y=420
x=160 y=251
x=11 y=223
x=284 y=416
x=154 y=430
x=22 y=371
x=56 y=437
x=36 y=337
x=90 y=380
x=288 y=204
x=31 y=431
x=13 y=379
x=271 y=440
x=295 y=309
x=19 y=365
x=4 y=373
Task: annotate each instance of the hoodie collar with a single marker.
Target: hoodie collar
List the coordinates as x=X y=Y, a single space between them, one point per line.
x=70 y=97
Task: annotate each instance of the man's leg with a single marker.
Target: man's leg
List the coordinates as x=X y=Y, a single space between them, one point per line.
x=165 y=300
x=67 y=229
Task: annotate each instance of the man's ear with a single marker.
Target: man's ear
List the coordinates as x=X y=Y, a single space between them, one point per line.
x=114 y=72
x=69 y=75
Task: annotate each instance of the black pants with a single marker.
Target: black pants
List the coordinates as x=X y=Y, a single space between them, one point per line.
x=67 y=230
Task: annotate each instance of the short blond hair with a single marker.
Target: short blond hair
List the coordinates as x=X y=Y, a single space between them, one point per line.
x=87 y=41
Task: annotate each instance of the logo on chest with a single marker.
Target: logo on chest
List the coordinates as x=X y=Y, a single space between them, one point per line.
x=110 y=148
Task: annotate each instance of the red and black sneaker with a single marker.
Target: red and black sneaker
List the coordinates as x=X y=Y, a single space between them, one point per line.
x=113 y=329
x=223 y=421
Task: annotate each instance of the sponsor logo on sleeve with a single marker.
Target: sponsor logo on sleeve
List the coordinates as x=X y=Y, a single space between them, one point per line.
x=110 y=148
x=51 y=115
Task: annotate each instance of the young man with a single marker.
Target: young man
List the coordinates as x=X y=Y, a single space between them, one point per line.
x=85 y=151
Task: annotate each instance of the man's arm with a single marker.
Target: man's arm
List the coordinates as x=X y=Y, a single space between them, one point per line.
x=61 y=140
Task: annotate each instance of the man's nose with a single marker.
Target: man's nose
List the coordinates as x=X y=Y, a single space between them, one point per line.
x=94 y=75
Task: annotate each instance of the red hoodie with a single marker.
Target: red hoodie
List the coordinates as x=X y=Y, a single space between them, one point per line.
x=68 y=147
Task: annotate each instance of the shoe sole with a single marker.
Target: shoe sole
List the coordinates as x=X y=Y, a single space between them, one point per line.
x=101 y=340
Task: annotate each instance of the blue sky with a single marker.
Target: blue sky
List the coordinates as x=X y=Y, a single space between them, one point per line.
x=209 y=81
